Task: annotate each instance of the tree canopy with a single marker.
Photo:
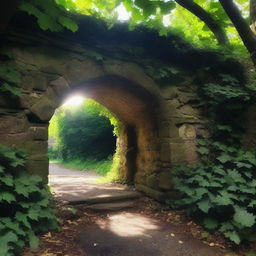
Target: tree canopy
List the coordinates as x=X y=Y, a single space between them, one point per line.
x=206 y=23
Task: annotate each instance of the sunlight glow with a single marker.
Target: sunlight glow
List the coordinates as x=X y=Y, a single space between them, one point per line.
x=130 y=225
x=123 y=15
x=167 y=20
x=74 y=101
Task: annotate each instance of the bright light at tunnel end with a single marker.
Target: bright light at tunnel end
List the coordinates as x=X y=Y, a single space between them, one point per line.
x=74 y=101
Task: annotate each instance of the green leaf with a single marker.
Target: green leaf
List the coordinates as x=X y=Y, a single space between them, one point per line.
x=7 y=180
x=34 y=213
x=11 y=89
x=210 y=223
x=203 y=150
x=200 y=192
x=14 y=225
x=21 y=189
x=204 y=205
x=23 y=219
x=233 y=236
x=223 y=200
x=243 y=217
x=68 y=23
x=8 y=197
x=33 y=240
x=166 y=7
x=5 y=239
x=224 y=158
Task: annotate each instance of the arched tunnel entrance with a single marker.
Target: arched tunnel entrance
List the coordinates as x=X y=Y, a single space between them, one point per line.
x=134 y=108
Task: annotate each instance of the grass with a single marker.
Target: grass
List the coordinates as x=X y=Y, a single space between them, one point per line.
x=109 y=168
x=101 y=167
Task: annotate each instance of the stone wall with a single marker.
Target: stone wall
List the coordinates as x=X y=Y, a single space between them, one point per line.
x=160 y=123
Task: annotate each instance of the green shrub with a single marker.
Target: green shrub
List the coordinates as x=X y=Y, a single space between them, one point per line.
x=25 y=204
x=82 y=132
x=221 y=191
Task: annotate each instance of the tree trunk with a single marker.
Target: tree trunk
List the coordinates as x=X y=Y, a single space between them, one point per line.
x=244 y=31
x=253 y=15
x=204 y=16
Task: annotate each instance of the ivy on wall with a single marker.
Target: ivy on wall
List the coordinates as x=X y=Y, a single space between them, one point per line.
x=220 y=191
x=25 y=204
x=9 y=76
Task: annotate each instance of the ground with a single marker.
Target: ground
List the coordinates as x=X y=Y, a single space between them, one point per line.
x=147 y=228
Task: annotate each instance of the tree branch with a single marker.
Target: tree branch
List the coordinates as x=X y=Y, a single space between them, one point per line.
x=204 y=16
x=253 y=15
x=243 y=29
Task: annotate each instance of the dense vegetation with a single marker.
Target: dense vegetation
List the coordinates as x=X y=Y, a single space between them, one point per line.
x=221 y=189
x=202 y=22
x=25 y=204
x=82 y=136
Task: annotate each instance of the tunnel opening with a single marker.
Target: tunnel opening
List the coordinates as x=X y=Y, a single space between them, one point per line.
x=81 y=136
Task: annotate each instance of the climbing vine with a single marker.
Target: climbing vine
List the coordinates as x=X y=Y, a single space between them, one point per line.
x=25 y=204
x=220 y=191
x=9 y=76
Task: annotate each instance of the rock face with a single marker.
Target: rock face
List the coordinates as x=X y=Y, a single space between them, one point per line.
x=161 y=117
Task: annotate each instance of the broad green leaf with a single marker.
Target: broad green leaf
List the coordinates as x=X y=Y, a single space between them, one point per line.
x=224 y=158
x=33 y=240
x=243 y=217
x=23 y=218
x=203 y=150
x=68 y=23
x=7 y=180
x=204 y=205
x=233 y=236
x=21 y=189
x=210 y=223
x=8 y=197
x=5 y=239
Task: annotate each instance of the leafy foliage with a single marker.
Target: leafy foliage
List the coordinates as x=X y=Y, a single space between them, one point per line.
x=9 y=76
x=25 y=204
x=221 y=189
x=96 y=139
x=49 y=15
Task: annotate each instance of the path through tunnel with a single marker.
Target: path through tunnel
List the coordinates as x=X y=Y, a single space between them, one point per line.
x=134 y=107
x=136 y=144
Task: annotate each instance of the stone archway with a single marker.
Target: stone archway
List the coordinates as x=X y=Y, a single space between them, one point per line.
x=161 y=116
x=135 y=108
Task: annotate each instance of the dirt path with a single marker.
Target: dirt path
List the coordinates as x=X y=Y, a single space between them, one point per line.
x=74 y=186
x=143 y=230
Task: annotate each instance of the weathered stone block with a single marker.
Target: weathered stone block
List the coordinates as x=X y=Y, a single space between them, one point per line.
x=36 y=147
x=38 y=133
x=157 y=195
x=38 y=157
x=43 y=109
x=187 y=131
x=164 y=129
x=14 y=139
x=60 y=86
x=40 y=168
x=35 y=81
x=13 y=124
x=178 y=153
x=189 y=111
x=165 y=154
x=165 y=180
x=152 y=181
